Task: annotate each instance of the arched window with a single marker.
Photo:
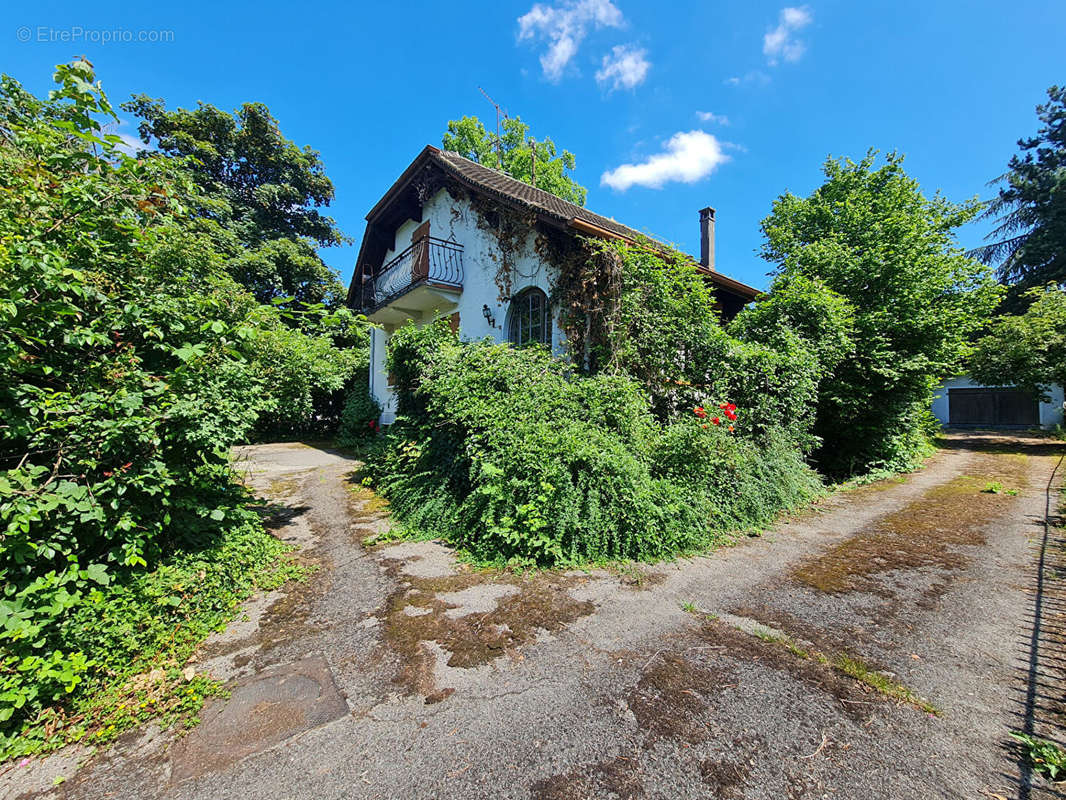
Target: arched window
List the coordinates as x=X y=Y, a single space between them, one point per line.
x=529 y=320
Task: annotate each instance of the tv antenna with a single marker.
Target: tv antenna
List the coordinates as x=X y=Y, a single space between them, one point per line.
x=499 y=141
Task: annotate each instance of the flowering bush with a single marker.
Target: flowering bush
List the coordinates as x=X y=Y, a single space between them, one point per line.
x=656 y=322
x=510 y=455
x=359 y=419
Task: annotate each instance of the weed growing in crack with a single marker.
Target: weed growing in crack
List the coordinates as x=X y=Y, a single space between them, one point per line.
x=1043 y=756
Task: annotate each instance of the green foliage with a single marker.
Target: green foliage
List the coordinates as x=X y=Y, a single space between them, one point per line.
x=359 y=419
x=513 y=457
x=129 y=363
x=1031 y=233
x=652 y=318
x=1044 y=757
x=872 y=237
x=823 y=320
x=310 y=360
x=468 y=138
x=128 y=638
x=265 y=194
x=1026 y=350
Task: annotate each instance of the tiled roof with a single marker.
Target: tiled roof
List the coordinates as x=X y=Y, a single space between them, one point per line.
x=496 y=182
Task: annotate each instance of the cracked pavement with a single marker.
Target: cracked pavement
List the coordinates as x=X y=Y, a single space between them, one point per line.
x=396 y=672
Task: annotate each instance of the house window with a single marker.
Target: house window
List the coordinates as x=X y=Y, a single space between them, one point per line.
x=528 y=319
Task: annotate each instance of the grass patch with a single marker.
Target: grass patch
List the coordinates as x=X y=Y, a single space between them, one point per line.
x=139 y=631
x=633 y=575
x=927 y=532
x=851 y=666
x=881 y=683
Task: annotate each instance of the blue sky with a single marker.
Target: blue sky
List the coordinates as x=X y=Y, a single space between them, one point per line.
x=618 y=82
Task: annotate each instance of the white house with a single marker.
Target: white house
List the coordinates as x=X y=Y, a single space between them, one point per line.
x=454 y=238
x=962 y=402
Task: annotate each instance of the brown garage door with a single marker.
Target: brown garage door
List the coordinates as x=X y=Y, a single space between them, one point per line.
x=992 y=407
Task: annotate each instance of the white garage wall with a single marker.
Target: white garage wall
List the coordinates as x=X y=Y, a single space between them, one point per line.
x=1050 y=412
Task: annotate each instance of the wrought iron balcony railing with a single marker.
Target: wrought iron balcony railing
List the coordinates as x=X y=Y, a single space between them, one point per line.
x=426 y=261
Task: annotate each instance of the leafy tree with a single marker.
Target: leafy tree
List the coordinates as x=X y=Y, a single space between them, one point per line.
x=870 y=235
x=821 y=318
x=264 y=191
x=514 y=155
x=130 y=362
x=1030 y=236
x=647 y=313
x=1029 y=349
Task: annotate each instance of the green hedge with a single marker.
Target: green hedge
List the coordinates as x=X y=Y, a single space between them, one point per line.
x=512 y=456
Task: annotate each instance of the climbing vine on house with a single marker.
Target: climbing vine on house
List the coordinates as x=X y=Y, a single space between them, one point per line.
x=511 y=230
x=645 y=311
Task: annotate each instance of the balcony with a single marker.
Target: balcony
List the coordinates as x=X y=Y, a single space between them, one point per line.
x=427 y=276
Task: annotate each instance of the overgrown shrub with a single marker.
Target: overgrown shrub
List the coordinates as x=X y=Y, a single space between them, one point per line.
x=132 y=633
x=359 y=419
x=129 y=364
x=512 y=455
x=740 y=484
x=646 y=312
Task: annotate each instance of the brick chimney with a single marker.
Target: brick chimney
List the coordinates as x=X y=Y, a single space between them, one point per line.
x=707 y=237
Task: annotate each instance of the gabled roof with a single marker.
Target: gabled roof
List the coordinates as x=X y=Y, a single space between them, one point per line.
x=503 y=185
x=518 y=193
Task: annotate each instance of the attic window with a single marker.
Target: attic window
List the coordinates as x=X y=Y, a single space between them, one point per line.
x=528 y=319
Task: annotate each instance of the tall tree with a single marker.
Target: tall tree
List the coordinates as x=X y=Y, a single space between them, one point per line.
x=869 y=234
x=1030 y=237
x=1026 y=350
x=514 y=153
x=267 y=193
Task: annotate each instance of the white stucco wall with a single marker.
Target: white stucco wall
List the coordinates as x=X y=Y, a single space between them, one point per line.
x=1050 y=412
x=456 y=220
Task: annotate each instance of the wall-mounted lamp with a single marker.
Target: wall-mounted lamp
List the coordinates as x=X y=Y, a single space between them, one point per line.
x=487 y=312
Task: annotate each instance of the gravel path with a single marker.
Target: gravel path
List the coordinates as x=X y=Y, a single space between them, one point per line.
x=395 y=672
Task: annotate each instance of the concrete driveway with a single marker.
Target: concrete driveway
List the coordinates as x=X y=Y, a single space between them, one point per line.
x=881 y=645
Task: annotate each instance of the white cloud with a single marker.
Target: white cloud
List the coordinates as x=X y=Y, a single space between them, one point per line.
x=707 y=116
x=780 y=42
x=625 y=67
x=688 y=157
x=130 y=144
x=755 y=76
x=564 y=27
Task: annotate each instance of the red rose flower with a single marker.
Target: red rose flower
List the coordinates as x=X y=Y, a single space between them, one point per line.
x=716 y=421
x=699 y=412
